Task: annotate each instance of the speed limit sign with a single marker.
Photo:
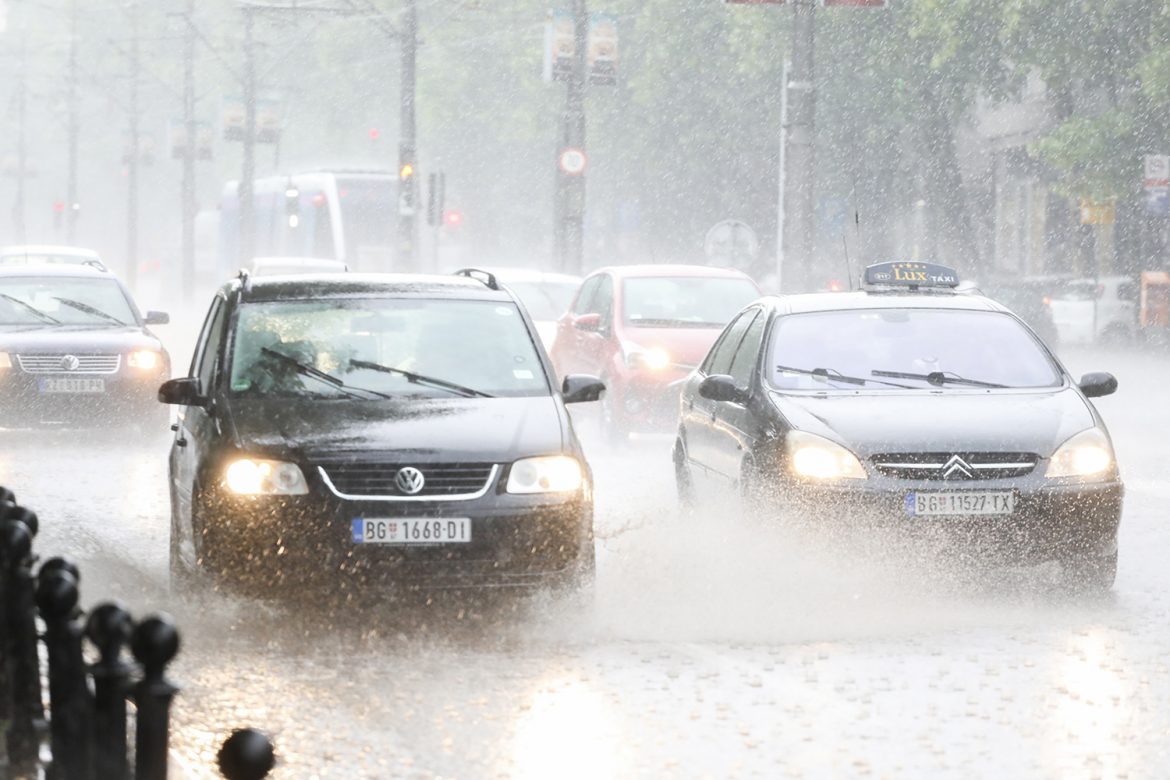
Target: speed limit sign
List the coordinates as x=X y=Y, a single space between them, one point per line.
x=572 y=161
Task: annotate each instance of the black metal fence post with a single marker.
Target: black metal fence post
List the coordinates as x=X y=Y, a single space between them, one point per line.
x=20 y=637
x=246 y=755
x=109 y=628
x=71 y=706
x=155 y=642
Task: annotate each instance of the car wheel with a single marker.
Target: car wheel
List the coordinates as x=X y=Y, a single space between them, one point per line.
x=684 y=480
x=1091 y=575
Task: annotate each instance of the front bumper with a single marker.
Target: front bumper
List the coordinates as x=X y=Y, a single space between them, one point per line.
x=25 y=399
x=515 y=541
x=1049 y=522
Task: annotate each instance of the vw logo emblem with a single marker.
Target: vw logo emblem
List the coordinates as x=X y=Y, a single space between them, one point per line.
x=70 y=363
x=957 y=465
x=409 y=480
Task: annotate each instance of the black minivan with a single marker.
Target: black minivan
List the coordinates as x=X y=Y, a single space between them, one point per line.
x=380 y=430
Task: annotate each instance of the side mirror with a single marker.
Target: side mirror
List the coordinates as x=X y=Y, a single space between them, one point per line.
x=581 y=388
x=182 y=392
x=589 y=323
x=721 y=387
x=157 y=318
x=1097 y=384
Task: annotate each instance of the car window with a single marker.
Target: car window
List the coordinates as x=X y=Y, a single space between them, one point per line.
x=719 y=359
x=64 y=300
x=603 y=303
x=685 y=301
x=990 y=347
x=748 y=352
x=388 y=347
x=544 y=300
x=584 y=304
x=210 y=346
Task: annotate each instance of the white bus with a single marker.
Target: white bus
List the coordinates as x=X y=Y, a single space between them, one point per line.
x=344 y=215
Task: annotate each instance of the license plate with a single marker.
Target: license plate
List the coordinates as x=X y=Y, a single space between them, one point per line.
x=1000 y=502
x=72 y=385
x=411 y=530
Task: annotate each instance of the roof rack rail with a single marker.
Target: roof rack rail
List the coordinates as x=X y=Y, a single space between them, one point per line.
x=245 y=278
x=478 y=274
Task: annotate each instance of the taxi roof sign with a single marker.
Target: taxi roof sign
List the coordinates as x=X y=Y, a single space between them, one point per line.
x=911 y=275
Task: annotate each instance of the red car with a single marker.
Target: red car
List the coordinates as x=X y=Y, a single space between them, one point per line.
x=642 y=328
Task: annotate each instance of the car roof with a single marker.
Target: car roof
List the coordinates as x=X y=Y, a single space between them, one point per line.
x=55 y=269
x=279 y=287
x=508 y=274
x=670 y=270
x=47 y=249
x=862 y=299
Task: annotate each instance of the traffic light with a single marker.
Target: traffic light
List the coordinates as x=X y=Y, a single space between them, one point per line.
x=453 y=218
x=406 y=171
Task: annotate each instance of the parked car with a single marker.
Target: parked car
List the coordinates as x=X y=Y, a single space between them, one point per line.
x=376 y=431
x=642 y=329
x=546 y=296
x=1031 y=299
x=1094 y=310
x=75 y=351
x=39 y=254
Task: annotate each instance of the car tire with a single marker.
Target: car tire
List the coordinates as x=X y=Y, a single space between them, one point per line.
x=1090 y=575
x=684 y=479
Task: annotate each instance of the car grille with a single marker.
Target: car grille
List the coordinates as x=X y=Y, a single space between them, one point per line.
x=953 y=466
x=55 y=364
x=377 y=480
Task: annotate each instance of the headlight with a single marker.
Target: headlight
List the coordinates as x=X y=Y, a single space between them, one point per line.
x=265 y=477
x=1087 y=454
x=549 y=474
x=144 y=359
x=5 y=360
x=815 y=457
x=653 y=359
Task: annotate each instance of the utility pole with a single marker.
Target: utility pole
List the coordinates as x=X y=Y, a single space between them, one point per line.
x=800 y=154
x=248 y=175
x=132 y=163
x=18 y=209
x=570 y=205
x=407 y=255
x=72 y=204
x=188 y=186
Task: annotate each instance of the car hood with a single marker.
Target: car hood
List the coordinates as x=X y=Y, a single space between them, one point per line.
x=452 y=430
x=686 y=346
x=70 y=338
x=1026 y=421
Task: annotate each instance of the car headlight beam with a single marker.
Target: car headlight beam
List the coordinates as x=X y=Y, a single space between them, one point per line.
x=546 y=474
x=252 y=477
x=817 y=458
x=651 y=359
x=1086 y=454
x=144 y=359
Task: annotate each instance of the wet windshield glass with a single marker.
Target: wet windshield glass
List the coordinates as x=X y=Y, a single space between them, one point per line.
x=694 y=301
x=983 y=347
x=69 y=301
x=384 y=346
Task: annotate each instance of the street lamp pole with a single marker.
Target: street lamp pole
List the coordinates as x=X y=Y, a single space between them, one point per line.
x=572 y=189
x=800 y=152
x=248 y=175
x=188 y=185
x=407 y=256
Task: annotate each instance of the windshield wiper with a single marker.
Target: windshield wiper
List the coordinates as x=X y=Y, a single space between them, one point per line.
x=85 y=307
x=43 y=315
x=413 y=378
x=938 y=378
x=834 y=375
x=322 y=376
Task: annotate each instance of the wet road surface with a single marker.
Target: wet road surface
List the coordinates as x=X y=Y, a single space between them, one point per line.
x=712 y=647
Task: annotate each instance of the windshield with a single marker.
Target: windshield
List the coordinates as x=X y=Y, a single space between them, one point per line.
x=683 y=301
x=545 y=300
x=965 y=347
x=398 y=347
x=63 y=301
